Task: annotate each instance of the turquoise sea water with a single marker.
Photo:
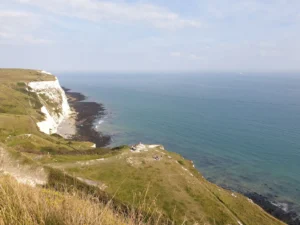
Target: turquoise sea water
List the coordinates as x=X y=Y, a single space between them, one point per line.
x=241 y=131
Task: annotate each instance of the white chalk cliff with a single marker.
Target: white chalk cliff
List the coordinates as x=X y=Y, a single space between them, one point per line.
x=55 y=104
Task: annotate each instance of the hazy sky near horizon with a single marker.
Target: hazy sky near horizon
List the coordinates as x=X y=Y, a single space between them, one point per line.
x=150 y=35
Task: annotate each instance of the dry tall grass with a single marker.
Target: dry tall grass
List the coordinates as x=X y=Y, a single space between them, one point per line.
x=22 y=204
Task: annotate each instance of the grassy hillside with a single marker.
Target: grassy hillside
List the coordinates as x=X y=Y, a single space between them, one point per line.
x=20 y=110
x=22 y=204
x=23 y=75
x=81 y=185
x=169 y=180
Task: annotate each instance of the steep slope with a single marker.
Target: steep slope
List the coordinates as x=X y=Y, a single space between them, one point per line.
x=23 y=172
x=25 y=111
x=22 y=204
x=55 y=104
x=32 y=105
x=37 y=91
x=173 y=182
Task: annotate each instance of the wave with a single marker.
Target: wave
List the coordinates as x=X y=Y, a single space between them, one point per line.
x=98 y=123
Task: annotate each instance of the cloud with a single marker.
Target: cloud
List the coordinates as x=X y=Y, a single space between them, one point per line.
x=190 y=56
x=5 y=35
x=120 y=12
x=270 y=11
x=18 y=27
x=34 y=40
x=194 y=57
x=175 y=54
x=268 y=53
x=129 y=34
x=16 y=20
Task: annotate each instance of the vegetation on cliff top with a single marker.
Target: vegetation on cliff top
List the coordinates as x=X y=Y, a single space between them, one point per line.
x=101 y=186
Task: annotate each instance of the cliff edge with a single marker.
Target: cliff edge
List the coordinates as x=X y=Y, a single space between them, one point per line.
x=142 y=184
x=55 y=104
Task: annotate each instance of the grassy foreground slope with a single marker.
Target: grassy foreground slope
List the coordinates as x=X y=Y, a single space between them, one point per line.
x=171 y=181
x=22 y=204
x=79 y=185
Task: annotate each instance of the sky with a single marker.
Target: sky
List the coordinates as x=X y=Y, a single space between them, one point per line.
x=151 y=35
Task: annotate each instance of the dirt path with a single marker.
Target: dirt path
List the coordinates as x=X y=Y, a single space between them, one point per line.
x=22 y=173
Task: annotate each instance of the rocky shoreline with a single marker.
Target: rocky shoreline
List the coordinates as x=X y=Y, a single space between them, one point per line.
x=88 y=112
x=86 y=115
x=288 y=216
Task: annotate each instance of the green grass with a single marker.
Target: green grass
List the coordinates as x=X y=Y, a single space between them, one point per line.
x=72 y=157
x=15 y=125
x=171 y=184
x=18 y=100
x=20 y=110
x=21 y=204
x=181 y=194
x=22 y=75
x=32 y=141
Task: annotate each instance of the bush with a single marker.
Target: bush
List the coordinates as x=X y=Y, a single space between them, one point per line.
x=181 y=162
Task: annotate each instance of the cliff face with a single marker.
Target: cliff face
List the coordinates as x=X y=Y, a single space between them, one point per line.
x=170 y=183
x=55 y=104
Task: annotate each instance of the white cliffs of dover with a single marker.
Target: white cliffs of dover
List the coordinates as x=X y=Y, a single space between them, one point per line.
x=51 y=93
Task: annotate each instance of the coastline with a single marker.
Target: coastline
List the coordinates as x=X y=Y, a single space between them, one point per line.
x=83 y=119
x=85 y=115
x=274 y=209
x=279 y=210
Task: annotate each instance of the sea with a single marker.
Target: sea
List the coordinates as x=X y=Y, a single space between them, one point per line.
x=241 y=130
